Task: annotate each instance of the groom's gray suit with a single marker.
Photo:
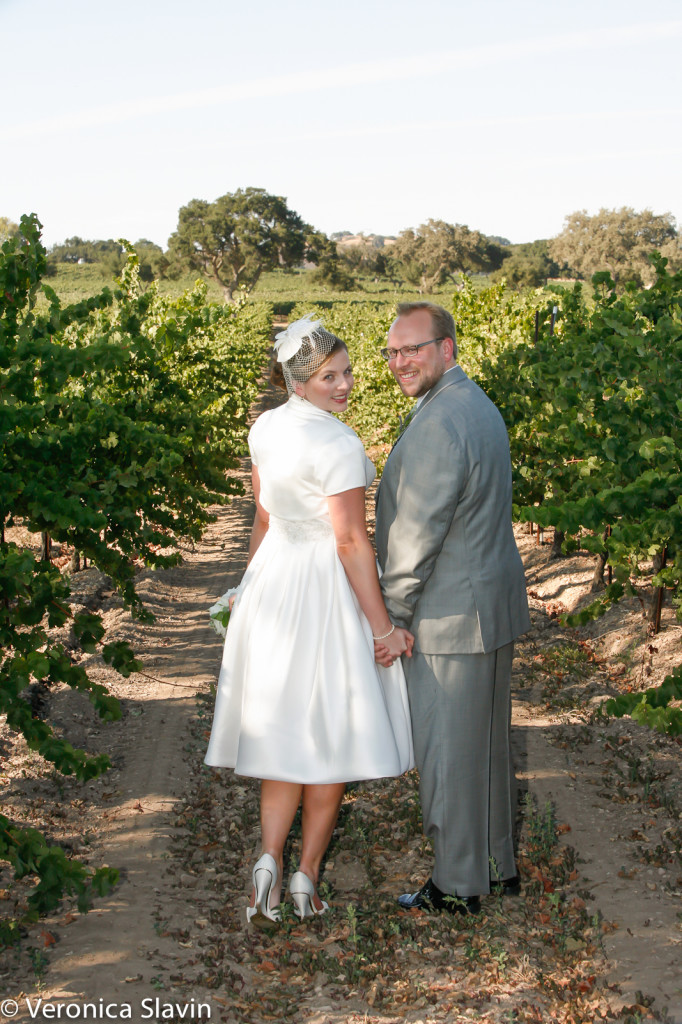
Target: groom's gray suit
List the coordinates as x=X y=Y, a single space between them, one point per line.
x=453 y=576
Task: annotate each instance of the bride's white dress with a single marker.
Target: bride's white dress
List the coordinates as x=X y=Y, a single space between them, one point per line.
x=300 y=697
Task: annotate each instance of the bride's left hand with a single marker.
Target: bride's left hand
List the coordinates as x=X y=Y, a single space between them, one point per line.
x=401 y=641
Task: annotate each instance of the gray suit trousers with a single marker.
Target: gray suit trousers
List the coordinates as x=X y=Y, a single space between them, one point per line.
x=461 y=711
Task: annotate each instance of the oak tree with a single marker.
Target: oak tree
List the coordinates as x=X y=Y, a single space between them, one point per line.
x=436 y=252
x=7 y=229
x=620 y=241
x=234 y=239
x=527 y=265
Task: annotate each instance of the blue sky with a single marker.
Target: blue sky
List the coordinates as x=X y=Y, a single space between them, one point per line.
x=367 y=116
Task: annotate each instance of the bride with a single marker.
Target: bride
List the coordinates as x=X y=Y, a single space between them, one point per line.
x=301 y=703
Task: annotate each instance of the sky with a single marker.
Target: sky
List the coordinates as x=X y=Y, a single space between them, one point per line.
x=366 y=115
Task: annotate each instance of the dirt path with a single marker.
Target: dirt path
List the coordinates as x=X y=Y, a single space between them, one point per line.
x=183 y=838
x=616 y=785
x=642 y=900
x=115 y=952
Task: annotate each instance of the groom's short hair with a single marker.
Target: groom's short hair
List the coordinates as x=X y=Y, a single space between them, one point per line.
x=442 y=322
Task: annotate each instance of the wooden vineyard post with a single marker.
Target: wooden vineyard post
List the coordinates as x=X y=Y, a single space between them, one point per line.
x=658 y=597
x=555 y=310
x=46 y=547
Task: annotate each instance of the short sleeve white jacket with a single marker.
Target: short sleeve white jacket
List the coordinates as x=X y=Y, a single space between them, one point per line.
x=303 y=455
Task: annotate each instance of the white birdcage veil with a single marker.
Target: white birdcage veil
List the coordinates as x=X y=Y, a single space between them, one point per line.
x=302 y=348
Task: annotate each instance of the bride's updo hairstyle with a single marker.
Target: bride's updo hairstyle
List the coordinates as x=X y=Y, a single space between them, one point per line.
x=301 y=350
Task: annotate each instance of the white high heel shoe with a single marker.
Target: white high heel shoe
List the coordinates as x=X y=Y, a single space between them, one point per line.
x=264 y=876
x=302 y=891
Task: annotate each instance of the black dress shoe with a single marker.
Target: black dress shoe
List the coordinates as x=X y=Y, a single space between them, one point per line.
x=430 y=897
x=506 y=886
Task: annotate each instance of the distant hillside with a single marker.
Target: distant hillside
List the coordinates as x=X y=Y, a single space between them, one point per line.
x=345 y=240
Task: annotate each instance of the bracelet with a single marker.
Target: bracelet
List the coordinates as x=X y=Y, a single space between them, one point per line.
x=385 y=634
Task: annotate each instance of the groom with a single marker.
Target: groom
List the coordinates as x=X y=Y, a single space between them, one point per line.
x=453 y=576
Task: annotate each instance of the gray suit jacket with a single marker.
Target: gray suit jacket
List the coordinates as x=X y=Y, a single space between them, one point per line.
x=452 y=573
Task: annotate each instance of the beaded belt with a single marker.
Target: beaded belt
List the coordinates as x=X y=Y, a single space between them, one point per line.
x=300 y=531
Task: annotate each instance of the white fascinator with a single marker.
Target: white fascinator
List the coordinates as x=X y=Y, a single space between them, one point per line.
x=288 y=342
x=302 y=348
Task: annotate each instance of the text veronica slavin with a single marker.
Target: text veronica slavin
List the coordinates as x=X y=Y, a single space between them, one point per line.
x=149 y=1009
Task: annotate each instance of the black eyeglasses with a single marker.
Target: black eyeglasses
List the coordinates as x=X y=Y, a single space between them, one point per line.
x=407 y=350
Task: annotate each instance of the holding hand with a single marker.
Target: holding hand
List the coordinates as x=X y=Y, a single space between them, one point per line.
x=388 y=648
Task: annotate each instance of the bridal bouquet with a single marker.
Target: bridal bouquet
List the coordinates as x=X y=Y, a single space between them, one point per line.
x=219 y=613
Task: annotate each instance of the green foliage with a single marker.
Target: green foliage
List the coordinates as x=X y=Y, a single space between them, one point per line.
x=29 y=854
x=7 y=229
x=234 y=239
x=331 y=271
x=35 y=596
x=74 y=282
x=436 y=252
x=121 y=418
x=591 y=405
x=82 y=250
x=490 y=321
x=619 y=241
x=367 y=255
x=652 y=707
x=125 y=418
x=527 y=265
x=593 y=413
x=299 y=288
x=109 y=256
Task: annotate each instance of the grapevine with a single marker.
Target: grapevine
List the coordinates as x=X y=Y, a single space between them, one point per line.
x=121 y=418
x=589 y=390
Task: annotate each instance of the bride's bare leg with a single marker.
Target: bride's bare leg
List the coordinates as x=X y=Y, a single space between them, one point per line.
x=278 y=805
x=318 y=817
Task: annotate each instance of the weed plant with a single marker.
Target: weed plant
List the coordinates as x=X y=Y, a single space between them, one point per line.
x=541 y=830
